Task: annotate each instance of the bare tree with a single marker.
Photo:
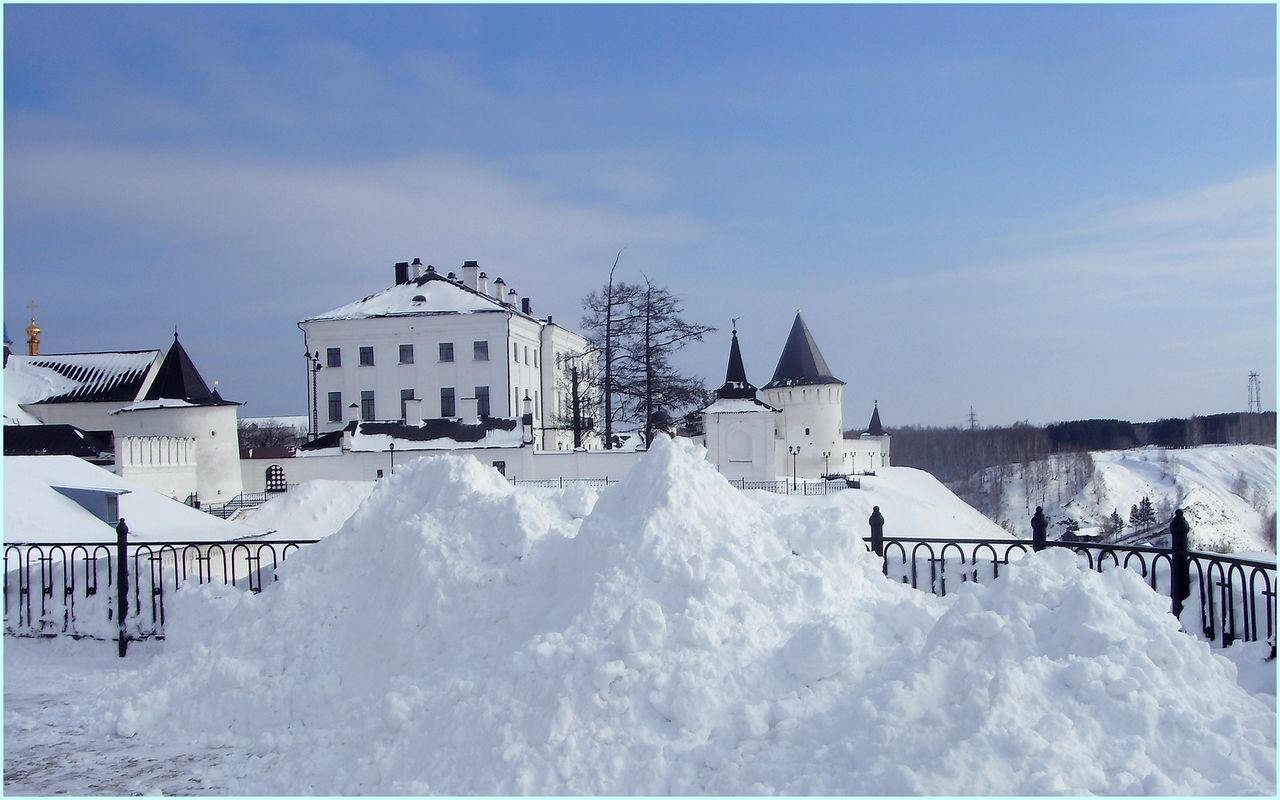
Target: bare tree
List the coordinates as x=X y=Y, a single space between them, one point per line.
x=607 y=322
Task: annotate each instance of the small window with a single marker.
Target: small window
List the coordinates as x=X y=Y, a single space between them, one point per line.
x=480 y=351
x=405 y=396
x=535 y=357
x=366 y=356
x=379 y=474
x=333 y=357
x=526 y=354
x=501 y=467
x=366 y=406
x=482 y=400
x=275 y=479
x=335 y=406
x=515 y=352
x=447 y=406
x=406 y=354
x=446 y=351
x=806 y=431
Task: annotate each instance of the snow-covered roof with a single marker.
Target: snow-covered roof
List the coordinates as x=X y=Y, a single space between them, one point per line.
x=42 y=514
x=736 y=406
x=430 y=294
x=147 y=405
x=81 y=377
x=432 y=434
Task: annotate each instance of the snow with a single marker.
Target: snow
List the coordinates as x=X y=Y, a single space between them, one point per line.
x=163 y=402
x=1226 y=492
x=311 y=510
x=35 y=512
x=24 y=383
x=441 y=297
x=380 y=442
x=93 y=373
x=672 y=635
x=735 y=406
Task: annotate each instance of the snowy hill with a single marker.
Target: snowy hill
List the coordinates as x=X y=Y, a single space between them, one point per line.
x=460 y=635
x=312 y=510
x=1227 y=492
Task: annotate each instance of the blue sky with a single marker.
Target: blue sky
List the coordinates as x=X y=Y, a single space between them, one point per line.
x=1045 y=213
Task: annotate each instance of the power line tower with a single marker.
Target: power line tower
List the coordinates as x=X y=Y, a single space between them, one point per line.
x=1255 y=393
x=973 y=419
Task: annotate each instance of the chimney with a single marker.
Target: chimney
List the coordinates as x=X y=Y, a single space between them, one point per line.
x=353 y=413
x=471 y=275
x=526 y=306
x=513 y=299
x=453 y=277
x=402 y=272
x=413 y=411
x=482 y=285
x=499 y=289
x=469 y=410
x=526 y=420
x=415 y=268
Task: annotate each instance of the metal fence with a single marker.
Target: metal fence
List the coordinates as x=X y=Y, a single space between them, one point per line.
x=560 y=483
x=241 y=501
x=809 y=488
x=118 y=591
x=1228 y=598
x=79 y=589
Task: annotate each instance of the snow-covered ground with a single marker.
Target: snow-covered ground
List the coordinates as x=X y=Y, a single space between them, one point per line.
x=311 y=510
x=667 y=635
x=35 y=512
x=1227 y=492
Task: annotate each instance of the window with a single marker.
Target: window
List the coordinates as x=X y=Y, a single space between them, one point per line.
x=501 y=467
x=275 y=479
x=446 y=351
x=516 y=405
x=537 y=404
x=482 y=400
x=366 y=356
x=333 y=357
x=535 y=357
x=447 y=406
x=406 y=354
x=366 y=406
x=526 y=354
x=515 y=352
x=480 y=351
x=335 y=406
x=405 y=394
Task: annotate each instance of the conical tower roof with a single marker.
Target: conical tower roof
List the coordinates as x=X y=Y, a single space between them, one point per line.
x=801 y=363
x=178 y=379
x=874 y=428
x=736 y=386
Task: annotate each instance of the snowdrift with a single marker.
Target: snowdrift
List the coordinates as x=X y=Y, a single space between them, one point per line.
x=312 y=510
x=673 y=635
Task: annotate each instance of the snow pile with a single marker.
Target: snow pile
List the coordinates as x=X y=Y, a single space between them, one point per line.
x=35 y=512
x=1226 y=491
x=312 y=510
x=676 y=636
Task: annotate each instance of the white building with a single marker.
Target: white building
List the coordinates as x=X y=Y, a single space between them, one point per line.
x=798 y=429
x=171 y=433
x=464 y=347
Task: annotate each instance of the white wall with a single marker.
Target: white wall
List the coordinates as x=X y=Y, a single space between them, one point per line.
x=742 y=445
x=166 y=464
x=812 y=419
x=86 y=416
x=217 y=448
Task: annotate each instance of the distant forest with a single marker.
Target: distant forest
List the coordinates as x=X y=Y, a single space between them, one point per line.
x=952 y=454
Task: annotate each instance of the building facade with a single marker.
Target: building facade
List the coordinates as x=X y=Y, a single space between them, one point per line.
x=461 y=346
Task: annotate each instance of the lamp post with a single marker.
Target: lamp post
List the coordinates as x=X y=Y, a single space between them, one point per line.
x=826 y=463
x=392 y=448
x=313 y=361
x=794 y=451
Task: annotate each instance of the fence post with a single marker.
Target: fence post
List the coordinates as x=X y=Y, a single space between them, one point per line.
x=1179 y=564
x=877 y=531
x=122 y=584
x=1039 y=529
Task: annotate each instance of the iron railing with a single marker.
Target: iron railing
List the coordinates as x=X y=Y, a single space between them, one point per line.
x=241 y=501
x=809 y=488
x=560 y=483
x=1228 y=599
x=78 y=588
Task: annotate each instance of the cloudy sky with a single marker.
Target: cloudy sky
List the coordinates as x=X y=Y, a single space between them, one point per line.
x=1045 y=213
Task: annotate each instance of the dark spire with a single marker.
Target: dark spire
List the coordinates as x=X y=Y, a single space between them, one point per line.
x=178 y=379
x=874 y=428
x=736 y=386
x=801 y=364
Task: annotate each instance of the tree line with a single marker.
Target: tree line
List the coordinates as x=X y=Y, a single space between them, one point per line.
x=953 y=453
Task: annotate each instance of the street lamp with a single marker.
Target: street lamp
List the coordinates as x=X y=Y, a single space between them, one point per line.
x=313 y=361
x=794 y=451
x=392 y=447
x=826 y=464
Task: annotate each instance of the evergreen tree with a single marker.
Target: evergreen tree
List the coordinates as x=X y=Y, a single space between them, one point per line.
x=1115 y=524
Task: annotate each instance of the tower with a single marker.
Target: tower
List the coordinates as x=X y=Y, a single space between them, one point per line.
x=811 y=400
x=33 y=332
x=739 y=429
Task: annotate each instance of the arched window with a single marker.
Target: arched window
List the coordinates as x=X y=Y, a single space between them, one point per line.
x=275 y=479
